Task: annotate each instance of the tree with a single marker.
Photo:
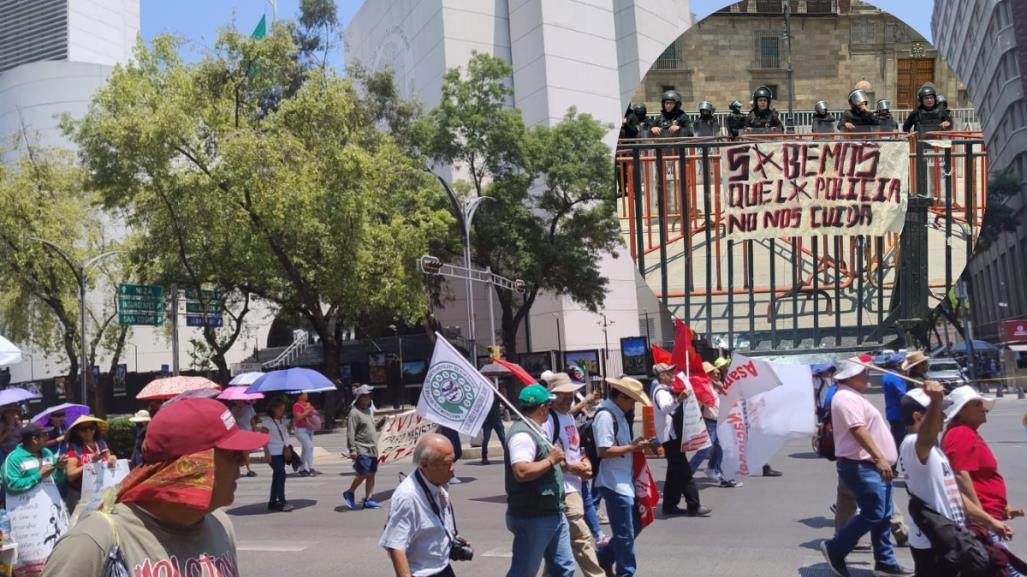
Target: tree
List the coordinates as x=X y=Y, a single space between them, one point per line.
x=46 y=212
x=304 y=203
x=553 y=211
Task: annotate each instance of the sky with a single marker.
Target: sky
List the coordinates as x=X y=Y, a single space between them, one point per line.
x=198 y=21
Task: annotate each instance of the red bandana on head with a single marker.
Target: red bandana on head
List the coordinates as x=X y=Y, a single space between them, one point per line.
x=187 y=481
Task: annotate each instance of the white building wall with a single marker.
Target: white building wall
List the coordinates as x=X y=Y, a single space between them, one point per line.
x=102 y=31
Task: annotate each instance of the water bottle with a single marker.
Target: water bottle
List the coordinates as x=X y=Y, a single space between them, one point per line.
x=5 y=525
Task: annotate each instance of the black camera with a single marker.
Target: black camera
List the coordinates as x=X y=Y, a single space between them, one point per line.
x=460 y=550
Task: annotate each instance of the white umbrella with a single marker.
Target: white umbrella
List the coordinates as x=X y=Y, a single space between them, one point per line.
x=246 y=378
x=9 y=354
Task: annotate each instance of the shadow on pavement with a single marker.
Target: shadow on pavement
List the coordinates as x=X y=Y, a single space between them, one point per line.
x=261 y=508
x=501 y=499
x=805 y=455
x=818 y=522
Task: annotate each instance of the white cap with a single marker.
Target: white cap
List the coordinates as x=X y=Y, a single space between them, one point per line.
x=960 y=396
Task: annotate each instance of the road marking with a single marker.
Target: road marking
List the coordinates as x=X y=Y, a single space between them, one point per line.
x=498 y=552
x=275 y=546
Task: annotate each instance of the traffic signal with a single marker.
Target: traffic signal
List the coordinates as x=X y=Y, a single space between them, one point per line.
x=497 y=351
x=430 y=264
x=520 y=286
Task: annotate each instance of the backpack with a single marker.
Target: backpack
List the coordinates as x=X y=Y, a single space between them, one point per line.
x=556 y=427
x=963 y=551
x=588 y=439
x=823 y=437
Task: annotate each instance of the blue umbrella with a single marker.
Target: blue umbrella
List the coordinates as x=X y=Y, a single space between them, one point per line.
x=12 y=395
x=979 y=347
x=290 y=381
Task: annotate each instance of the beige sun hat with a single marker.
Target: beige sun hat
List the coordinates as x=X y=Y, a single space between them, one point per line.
x=142 y=416
x=562 y=383
x=662 y=368
x=913 y=359
x=101 y=424
x=632 y=388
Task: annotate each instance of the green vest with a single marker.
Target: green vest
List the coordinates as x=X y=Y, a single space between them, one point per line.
x=538 y=498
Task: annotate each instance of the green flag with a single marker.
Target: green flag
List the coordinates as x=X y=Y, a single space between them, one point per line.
x=261 y=30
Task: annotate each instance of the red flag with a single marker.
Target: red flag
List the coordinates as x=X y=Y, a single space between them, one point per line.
x=518 y=371
x=661 y=355
x=687 y=359
x=647 y=494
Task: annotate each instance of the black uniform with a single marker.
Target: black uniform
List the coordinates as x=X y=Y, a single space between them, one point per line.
x=823 y=123
x=735 y=123
x=707 y=126
x=634 y=125
x=764 y=120
x=676 y=117
x=887 y=121
x=925 y=120
x=859 y=119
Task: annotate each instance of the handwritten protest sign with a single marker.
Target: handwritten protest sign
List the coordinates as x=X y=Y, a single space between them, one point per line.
x=788 y=189
x=399 y=436
x=98 y=477
x=38 y=519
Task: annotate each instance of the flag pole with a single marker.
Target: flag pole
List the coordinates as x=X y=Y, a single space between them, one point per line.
x=517 y=412
x=886 y=371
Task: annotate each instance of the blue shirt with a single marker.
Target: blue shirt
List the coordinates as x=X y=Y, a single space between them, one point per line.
x=614 y=472
x=828 y=395
x=894 y=388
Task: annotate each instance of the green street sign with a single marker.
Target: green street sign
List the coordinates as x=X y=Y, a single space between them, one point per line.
x=141 y=290
x=151 y=319
x=191 y=294
x=196 y=308
x=129 y=305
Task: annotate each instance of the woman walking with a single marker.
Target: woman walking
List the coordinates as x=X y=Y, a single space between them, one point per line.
x=278 y=427
x=302 y=411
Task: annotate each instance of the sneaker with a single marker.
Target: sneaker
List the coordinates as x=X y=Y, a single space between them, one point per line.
x=304 y=473
x=768 y=472
x=286 y=508
x=896 y=570
x=372 y=504
x=836 y=563
x=486 y=462
x=350 y=501
x=251 y=474
x=674 y=511
x=730 y=483
x=700 y=512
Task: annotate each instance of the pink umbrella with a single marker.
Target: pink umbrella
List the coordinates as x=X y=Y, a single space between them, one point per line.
x=239 y=394
x=168 y=387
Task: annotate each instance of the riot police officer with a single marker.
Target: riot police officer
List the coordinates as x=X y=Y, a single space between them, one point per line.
x=943 y=105
x=763 y=118
x=672 y=122
x=858 y=115
x=707 y=124
x=735 y=119
x=635 y=120
x=884 y=117
x=928 y=115
x=823 y=122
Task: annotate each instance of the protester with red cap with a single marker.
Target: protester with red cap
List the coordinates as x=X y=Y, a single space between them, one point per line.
x=165 y=515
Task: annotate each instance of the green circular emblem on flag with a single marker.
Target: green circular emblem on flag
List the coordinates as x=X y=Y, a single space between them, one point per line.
x=449 y=392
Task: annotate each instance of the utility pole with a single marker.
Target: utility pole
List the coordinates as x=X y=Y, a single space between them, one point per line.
x=559 y=339
x=606 y=340
x=174 y=329
x=788 y=41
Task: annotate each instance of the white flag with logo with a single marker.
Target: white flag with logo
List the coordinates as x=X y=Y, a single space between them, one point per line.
x=694 y=435
x=455 y=394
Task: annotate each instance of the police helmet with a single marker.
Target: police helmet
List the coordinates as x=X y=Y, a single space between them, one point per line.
x=705 y=106
x=639 y=110
x=925 y=91
x=883 y=105
x=762 y=92
x=671 y=95
x=940 y=101
x=820 y=107
x=736 y=106
x=857 y=97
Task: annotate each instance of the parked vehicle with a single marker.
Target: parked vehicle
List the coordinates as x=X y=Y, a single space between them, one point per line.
x=947 y=372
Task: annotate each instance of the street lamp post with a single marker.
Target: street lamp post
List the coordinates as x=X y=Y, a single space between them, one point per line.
x=559 y=340
x=465 y=210
x=80 y=270
x=606 y=340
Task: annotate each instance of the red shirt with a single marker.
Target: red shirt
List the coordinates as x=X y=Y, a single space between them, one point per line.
x=968 y=452
x=84 y=459
x=297 y=410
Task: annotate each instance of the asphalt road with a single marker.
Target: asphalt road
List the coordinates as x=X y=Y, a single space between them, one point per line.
x=771 y=527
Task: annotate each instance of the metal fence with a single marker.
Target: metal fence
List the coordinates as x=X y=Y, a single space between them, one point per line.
x=801 y=121
x=797 y=293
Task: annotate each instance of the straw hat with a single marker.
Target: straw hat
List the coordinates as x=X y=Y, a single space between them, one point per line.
x=142 y=416
x=562 y=383
x=708 y=368
x=101 y=424
x=913 y=359
x=662 y=368
x=632 y=388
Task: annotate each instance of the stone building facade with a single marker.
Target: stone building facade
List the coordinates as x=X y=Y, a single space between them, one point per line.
x=835 y=45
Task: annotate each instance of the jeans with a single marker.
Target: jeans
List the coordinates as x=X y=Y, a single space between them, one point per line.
x=306 y=437
x=277 y=480
x=714 y=452
x=454 y=439
x=538 y=538
x=874 y=497
x=679 y=479
x=624 y=526
x=591 y=516
x=486 y=435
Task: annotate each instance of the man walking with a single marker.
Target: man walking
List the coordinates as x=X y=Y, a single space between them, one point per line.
x=866 y=454
x=561 y=428
x=612 y=433
x=534 y=493
x=362 y=440
x=668 y=410
x=914 y=365
x=493 y=422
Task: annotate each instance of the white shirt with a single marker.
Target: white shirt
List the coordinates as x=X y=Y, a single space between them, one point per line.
x=934 y=483
x=279 y=434
x=522 y=448
x=414 y=528
x=244 y=416
x=664 y=404
x=571 y=443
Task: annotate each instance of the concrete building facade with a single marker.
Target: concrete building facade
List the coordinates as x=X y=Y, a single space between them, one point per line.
x=589 y=54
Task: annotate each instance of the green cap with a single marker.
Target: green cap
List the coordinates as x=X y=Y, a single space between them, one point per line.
x=535 y=395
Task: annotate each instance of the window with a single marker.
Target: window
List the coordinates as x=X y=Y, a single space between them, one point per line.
x=863 y=31
x=768 y=49
x=819 y=7
x=667 y=87
x=1002 y=14
x=669 y=59
x=773 y=90
x=774 y=6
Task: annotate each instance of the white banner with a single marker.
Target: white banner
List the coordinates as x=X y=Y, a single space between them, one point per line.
x=454 y=394
x=775 y=189
x=400 y=434
x=746 y=443
x=98 y=477
x=38 y=520
x=694 y=436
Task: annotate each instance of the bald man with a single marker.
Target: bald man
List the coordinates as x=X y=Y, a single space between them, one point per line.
x=420 y=530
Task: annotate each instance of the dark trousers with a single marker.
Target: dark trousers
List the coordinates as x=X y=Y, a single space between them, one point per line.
x=447 y=572
x=454 y=439
x=927 y=564
x=486 y=436
x=277 y=480
x=679 y=481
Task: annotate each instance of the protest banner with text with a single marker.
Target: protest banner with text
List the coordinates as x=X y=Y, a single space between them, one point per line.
x=38 y=520
x=790 y=189
x=400 y=434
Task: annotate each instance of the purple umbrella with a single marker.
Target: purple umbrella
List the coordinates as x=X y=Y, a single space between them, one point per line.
x=12 y=395
x=71 y=410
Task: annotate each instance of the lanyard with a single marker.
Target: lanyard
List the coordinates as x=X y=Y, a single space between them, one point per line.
x=435 y=506
x=279 y=427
